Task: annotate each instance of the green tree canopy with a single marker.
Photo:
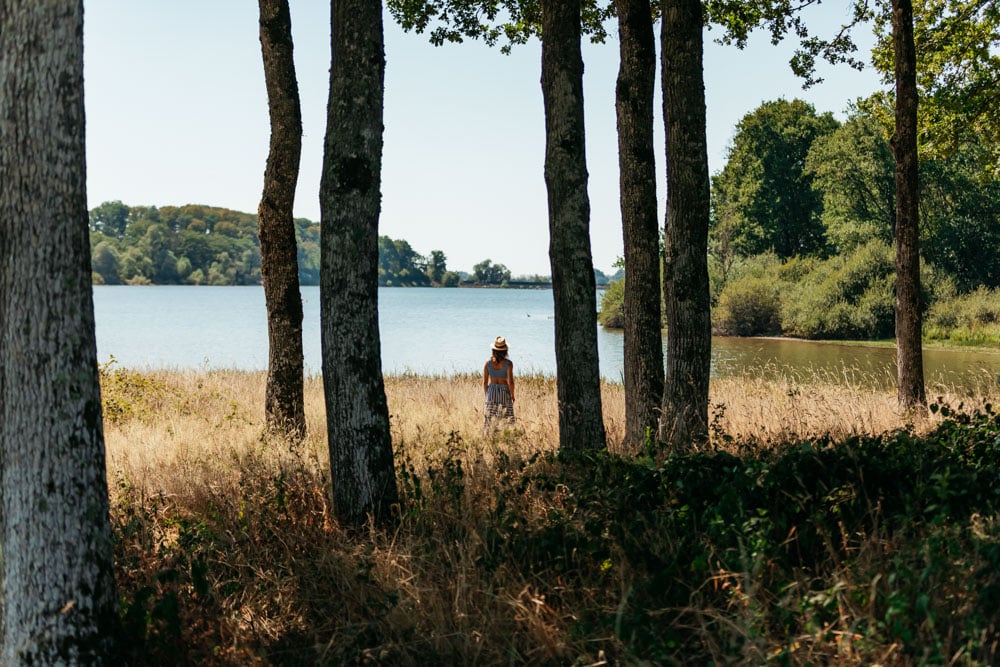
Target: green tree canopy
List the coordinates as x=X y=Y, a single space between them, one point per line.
x=437 y=266
x=763 y=198
x=960 y=216
x=110 y=219
x=508 y=22
x=206 y=245
x=173 y=245
x=853 y=169
x=399 y=264
x=488 y=273
x=958 y=75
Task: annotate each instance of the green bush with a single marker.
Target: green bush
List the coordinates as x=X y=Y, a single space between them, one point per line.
x=748 y=306
x=845 y=297
x=794 y=269
x=814 y=540
x=968 y=318
x=128 y=394
x=612 y=311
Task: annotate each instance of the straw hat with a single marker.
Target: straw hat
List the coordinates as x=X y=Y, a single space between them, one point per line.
x=500 y=344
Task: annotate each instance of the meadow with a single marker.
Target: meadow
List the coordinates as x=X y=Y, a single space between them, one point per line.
x=820 y=527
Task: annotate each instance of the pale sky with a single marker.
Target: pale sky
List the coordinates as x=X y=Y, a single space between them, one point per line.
x=177 y=114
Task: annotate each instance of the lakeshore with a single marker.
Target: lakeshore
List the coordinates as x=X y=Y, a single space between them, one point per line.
x=437 y=331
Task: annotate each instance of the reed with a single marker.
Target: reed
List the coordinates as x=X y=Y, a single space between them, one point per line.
x=227 y=552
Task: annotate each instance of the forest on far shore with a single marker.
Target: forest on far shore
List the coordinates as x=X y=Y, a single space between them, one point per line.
x=207 y=245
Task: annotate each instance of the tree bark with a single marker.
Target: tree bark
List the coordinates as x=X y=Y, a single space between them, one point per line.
x=283 y=398
x=361 y=462
x=59 y=603
x=581 y=424
x=684 y=420
x=640 y=229
x=909 y=352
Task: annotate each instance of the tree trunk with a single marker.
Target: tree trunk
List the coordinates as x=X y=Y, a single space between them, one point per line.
x=59 y=603
x=909 y=353
x=361 y=463
x=640 y=229
x=283 y=399
x=684 y=421
x=578 y=380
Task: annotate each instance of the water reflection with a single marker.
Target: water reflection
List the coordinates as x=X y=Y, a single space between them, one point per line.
x=855 y=365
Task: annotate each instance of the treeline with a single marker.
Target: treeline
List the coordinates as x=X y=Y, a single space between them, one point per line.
x=206 y=245
x=186 y=245
x=400 y=265
x=802 y=231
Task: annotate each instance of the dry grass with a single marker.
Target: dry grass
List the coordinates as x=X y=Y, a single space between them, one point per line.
x=767 y=411
x=193 y=420
x=201 y=494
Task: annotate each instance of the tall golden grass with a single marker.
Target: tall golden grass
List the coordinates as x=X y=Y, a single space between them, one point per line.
x=192 y=467
x=189 y=427
x=187 y=420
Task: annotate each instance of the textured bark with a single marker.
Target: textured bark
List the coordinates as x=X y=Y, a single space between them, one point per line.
x=640 y=229
x=361 y=463
x=581 y=425
x=909 y=352
x=283 y=398
x=58 y=586
x=684 y=422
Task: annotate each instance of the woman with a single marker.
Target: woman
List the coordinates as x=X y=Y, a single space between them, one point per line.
x=498 y=385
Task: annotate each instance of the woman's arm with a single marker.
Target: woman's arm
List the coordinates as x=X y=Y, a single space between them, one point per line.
x=486 y=377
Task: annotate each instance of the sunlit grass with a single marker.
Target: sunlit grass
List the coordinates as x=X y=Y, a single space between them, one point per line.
x=183 y=422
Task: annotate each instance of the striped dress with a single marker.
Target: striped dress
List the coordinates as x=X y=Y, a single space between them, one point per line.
x=498 y=406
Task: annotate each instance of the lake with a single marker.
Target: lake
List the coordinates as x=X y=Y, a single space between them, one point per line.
x=449 y=331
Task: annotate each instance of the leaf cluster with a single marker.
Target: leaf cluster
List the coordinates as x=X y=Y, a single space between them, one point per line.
x=782 y=18
x=508 y=22
x=958 y=74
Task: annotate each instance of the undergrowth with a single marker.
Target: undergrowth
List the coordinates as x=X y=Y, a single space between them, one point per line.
x=861 y=550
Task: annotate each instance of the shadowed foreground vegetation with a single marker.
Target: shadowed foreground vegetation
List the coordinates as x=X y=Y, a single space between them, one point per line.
x=821 y=529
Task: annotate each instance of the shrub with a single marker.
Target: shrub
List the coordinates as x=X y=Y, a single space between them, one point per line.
x=844 y=297
x=969 y=318
x=612 y=311
x=748 y=306
x=128 y=394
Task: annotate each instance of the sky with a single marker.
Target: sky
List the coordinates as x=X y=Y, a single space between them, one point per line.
x=177 y=114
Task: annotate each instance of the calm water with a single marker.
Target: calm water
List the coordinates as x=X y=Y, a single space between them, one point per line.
x=447 y=331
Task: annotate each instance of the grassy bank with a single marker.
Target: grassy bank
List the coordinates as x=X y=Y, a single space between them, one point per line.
x=805 y=537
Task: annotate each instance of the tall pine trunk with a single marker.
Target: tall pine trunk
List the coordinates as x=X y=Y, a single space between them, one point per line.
x=640 y=229
x=59 y=603
x=909 y=352
x=283 y=398
x=361 y=463
x=578 y=380
x=684 y=421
